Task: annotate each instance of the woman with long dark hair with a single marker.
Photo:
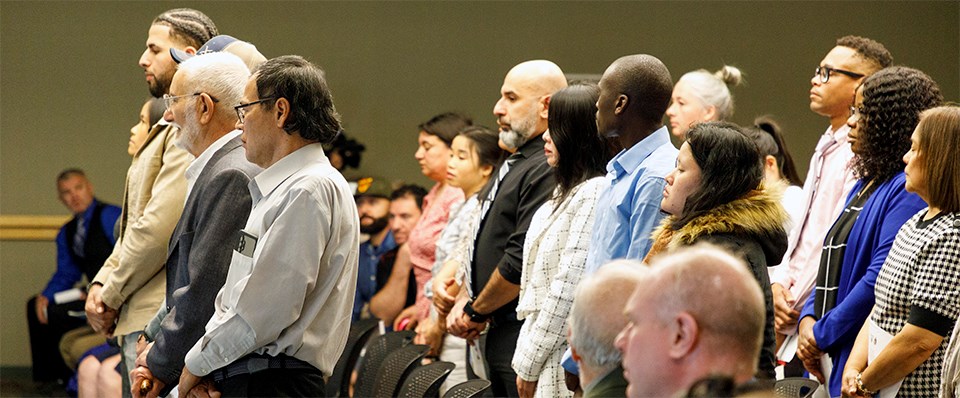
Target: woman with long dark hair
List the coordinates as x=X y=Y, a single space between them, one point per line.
x=778 y=164
x=716 y=194
x=886 y=110
x=555 y=249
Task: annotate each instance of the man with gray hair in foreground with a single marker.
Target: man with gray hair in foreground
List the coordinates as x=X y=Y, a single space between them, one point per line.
x=595 y=319
x=697 y=313
x=200 y=103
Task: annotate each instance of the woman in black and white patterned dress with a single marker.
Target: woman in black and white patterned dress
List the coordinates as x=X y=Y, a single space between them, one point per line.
x=918 y=288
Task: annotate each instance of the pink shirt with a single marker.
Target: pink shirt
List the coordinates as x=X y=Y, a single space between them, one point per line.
x=423 y=237
x=828 y=183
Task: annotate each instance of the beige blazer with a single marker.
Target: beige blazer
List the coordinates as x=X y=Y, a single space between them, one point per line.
x=133 y=277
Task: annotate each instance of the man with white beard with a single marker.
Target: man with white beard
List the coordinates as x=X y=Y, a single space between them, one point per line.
x=523 y=183
x=218 y=203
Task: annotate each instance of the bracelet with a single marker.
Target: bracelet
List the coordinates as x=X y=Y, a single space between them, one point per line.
x=860 y=388
x=475 y=316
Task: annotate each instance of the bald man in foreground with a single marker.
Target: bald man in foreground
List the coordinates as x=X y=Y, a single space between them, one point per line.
x=523 y=183
x=698 y=313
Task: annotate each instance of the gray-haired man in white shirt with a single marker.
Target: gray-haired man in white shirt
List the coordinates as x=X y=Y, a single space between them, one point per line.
x=282 y=317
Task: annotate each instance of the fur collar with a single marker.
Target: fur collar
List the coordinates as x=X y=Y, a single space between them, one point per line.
x=759 y=214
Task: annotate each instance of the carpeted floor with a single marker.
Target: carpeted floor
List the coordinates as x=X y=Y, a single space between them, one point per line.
x=17 y=382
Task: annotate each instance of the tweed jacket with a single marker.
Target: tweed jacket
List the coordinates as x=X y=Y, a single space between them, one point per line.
x=133 y=277
x=200 y=252
x=554 y=258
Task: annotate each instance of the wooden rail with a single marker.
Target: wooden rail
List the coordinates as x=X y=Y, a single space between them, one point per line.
x=30 y=227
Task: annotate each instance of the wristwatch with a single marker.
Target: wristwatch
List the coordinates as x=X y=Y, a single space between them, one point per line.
x=475 y=316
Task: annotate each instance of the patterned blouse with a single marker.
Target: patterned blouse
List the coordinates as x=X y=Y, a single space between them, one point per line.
x=423 y=237
x=920 y=284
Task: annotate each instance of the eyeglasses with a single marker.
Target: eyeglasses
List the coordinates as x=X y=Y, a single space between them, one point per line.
x=825 y=71
x=241 y=112
x=169 y=100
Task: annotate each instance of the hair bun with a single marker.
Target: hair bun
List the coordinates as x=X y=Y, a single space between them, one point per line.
x=729 y=75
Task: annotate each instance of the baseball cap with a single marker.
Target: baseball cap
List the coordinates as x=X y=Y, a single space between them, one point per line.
x=225 y=43
x=372 y=186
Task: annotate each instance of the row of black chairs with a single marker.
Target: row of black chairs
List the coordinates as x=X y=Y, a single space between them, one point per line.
x=390 y=366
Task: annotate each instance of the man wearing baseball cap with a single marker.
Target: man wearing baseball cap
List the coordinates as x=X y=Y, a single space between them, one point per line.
x=372 y=196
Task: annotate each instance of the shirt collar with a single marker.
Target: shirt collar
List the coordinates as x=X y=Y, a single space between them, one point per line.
x=198 y=164
x=270 y=178
x=629 y=159
x=531 y=147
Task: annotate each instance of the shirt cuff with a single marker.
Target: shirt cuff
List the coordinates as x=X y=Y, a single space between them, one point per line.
x=930 y=320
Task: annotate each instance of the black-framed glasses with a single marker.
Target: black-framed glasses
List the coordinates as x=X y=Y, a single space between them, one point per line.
x=240 y=108
x=825 y=71
x=169 y=100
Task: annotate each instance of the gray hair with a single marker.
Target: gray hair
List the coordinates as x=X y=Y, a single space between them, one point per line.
x=597 y=317
x=713 y=89
x=221 y=75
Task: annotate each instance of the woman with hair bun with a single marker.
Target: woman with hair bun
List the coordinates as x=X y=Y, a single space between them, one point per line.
x=701 y=96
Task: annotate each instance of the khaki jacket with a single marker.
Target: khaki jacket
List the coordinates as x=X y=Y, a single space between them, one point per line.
x=133 y=277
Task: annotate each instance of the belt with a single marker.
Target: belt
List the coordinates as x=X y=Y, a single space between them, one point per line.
x=254 y=363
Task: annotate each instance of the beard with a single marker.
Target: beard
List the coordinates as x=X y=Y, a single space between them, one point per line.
x=512 y=139
x=160 y=84
x=189 y=131
x=378 y=224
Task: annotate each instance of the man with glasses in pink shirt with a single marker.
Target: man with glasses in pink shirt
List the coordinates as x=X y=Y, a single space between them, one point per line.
x=829 y=178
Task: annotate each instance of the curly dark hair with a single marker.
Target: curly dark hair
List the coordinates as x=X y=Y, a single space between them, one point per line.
x=871 y=50
x=893 y=99
x=730 y=167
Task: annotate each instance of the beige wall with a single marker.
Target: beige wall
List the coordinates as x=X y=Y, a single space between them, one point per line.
x=70 y=87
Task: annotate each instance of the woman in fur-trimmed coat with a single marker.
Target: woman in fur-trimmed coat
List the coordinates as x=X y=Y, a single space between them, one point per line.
x=716 y=195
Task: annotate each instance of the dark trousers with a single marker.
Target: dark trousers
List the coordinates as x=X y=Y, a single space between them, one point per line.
x=501 y=344
x=45 y=339
x=274 y=383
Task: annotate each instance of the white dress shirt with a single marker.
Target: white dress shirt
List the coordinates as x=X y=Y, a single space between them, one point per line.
x=291 y=292
x=198 y=164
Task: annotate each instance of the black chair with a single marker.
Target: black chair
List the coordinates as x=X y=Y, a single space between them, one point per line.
x=425 y=381
x=795 y=387
x=396 y=366
x=375 y=352
x=468 y=389
x=360 y=332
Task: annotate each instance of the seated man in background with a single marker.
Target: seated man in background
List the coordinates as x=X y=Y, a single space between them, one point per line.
x=699 y=312
x=83 y=244
x=396 y=288
x=372 y=195
x=595 y=320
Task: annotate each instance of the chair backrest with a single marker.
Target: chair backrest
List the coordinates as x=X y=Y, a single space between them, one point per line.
x=360 y=332
x=795 y=387
x=468 y=389
x=375 y=352
x=425 y=381
x=396 y=366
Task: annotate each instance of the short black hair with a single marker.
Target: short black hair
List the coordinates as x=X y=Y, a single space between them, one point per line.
x=446 y=126
x=730 y=167
x=572 y=124
x=893 y=100
x=871 y=50
x=70 y=172
x=188 y=26
x=646 y=81
x=155 y=110
x=410 y=190
x=312 y=114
